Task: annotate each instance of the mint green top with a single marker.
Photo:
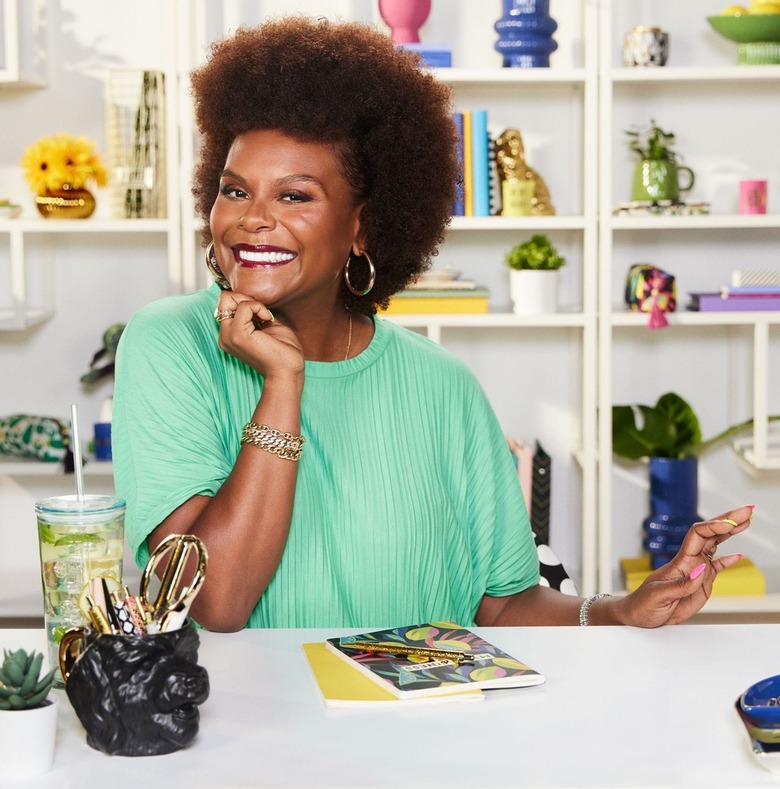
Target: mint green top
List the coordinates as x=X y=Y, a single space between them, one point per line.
x=407 y=505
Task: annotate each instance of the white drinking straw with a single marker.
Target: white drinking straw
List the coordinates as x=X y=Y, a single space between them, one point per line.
x=76 y=440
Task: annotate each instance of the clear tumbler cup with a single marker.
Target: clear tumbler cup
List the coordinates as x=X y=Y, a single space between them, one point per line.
x=80 y=538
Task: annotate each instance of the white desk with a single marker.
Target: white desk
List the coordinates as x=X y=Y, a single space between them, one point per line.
x=621 y=707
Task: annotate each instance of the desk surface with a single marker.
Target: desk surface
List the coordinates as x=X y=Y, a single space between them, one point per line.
x=620 y=707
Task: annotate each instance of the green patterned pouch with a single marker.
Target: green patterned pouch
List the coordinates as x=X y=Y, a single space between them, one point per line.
x=38 y=437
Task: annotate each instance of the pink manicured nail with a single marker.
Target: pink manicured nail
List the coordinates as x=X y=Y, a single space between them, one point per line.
x=752 y=506
x=698 y=571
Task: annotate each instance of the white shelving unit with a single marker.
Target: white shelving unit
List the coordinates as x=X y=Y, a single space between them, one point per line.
x=733 y=350
x=556 y=111
x=549 y=377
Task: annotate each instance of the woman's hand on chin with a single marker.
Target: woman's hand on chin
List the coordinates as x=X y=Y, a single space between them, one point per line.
x=249 y=331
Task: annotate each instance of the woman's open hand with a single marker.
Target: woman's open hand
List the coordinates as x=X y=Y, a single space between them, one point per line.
x=679 y=589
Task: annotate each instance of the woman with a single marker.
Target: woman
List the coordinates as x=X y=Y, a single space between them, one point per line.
x=341 y=470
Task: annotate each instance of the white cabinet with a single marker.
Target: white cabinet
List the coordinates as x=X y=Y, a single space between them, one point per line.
x=726 y=119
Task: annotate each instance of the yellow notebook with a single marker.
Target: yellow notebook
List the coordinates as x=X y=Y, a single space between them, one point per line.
x=744 y=578
x=343 y=686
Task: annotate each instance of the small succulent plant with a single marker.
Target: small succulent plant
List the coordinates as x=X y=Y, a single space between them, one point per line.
x=21 y=686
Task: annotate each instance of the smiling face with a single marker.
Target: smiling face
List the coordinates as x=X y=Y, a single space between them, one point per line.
x=284 y=221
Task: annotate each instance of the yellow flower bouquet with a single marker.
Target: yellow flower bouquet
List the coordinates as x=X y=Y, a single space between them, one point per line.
x=58 y=170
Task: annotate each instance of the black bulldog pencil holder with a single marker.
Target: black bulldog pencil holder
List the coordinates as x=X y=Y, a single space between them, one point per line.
x=133 y=677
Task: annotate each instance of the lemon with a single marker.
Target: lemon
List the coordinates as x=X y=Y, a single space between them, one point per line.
x=760 y=7
x=734 y=10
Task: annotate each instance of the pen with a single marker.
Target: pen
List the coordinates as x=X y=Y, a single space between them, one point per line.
x=409 y=651
x=97 y=617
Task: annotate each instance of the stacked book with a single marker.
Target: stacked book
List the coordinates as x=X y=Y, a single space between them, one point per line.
x=475 y=152
x=735 y=299
x=437 y=292
x=432 y=662
x=742 y=578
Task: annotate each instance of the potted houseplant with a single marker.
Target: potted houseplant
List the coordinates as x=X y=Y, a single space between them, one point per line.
x=28 y=715
x=668 y=436
x=656 y=175
x=534 y=274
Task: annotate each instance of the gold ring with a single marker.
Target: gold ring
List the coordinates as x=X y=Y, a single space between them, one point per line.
x=727 y=520
x=223 y=315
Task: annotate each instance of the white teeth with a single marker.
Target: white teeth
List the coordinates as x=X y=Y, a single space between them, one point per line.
x=265 y=257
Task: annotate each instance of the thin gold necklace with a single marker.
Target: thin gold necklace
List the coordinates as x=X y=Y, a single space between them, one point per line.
x=349 y=340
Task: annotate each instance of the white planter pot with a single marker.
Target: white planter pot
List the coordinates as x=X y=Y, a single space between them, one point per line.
x=27 y=740
x=534 y=292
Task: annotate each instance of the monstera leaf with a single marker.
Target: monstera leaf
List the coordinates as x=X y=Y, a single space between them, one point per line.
x=670 y=429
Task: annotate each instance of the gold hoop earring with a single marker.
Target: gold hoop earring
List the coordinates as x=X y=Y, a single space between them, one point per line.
x=213 y=267
x=371 y=276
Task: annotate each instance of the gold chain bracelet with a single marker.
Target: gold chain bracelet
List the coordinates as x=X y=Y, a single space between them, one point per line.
x=285 y=445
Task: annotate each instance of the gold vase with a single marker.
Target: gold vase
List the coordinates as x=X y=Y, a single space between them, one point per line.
x=65 y=203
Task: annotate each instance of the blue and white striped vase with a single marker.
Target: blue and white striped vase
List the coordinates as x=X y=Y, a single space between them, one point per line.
x=525 y=32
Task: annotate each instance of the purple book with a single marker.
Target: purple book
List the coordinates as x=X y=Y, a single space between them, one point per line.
x=716 y=302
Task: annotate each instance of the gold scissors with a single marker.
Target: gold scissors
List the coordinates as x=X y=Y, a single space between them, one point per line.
x=169 y=608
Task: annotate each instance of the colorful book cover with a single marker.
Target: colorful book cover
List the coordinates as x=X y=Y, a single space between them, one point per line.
x=409 y=676
x=468 y=166
x=459 y=207
x=716 y=302
x=480 y=162
x=340 y=685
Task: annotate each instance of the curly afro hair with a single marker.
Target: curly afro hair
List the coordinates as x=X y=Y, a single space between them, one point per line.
x=344 y=84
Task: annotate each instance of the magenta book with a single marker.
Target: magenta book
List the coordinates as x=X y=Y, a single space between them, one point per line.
x=424 y=674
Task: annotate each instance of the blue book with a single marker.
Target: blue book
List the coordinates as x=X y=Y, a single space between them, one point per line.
x=459 y=206
x=480 y=162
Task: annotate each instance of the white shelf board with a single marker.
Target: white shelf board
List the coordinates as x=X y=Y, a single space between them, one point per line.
x=491 y=320
x=685 y=317
x=504 y=76
x=696 y=74
x=10 y=319
x=744 y=448
x=85 y=225
x=701 y=222
x=541 y=223
x=24 y=467
x=9 y=80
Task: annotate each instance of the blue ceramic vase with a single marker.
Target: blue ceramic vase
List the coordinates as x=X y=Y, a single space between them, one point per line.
x=525 y=33
x=674 y=498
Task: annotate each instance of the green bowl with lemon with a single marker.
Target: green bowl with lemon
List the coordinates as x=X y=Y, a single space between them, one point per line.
x=747 y=28
x=755 y=29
